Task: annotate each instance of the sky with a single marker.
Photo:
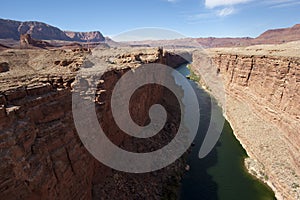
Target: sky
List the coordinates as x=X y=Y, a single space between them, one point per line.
x=191 y=18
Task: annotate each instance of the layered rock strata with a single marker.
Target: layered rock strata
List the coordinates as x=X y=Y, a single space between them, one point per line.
x=262 y=85
x=41 y=154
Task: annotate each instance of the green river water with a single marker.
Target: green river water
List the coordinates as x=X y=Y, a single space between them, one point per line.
x=221 y=174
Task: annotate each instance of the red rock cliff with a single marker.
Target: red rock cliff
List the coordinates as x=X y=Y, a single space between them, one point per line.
x=42 y=156
x=262 y=85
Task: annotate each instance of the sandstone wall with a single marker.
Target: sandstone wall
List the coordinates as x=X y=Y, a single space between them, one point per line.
x=263 y=107
x=271 y=84
x=41 y=154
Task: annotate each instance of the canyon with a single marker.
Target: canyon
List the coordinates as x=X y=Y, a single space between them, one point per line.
x=262 y=90
x=43 y=156
x=41 y=153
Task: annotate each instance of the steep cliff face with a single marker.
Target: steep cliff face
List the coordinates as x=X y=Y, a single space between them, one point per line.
x=93 y=36
x=262 y=85
x=41 y=153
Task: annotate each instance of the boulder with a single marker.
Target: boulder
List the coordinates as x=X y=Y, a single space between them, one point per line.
x=4 y=67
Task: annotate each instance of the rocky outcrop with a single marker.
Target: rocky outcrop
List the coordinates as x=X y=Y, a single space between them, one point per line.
x=27 y=42
x=42 y=156
x=262 y=85
x=10 y=29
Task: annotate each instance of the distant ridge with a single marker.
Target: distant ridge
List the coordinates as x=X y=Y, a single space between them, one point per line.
x=281 y=35
x=10 y=29
x=275 y=36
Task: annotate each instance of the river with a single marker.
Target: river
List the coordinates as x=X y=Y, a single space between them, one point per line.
x=221 y=174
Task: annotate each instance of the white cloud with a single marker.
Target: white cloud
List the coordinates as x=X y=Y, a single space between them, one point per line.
x=225 y=12
x=216 y=3
x=201 y=16
x=213 y=14
x=214 y=11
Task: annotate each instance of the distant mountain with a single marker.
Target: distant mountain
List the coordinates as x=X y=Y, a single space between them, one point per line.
x=281 y=35
x=93 y=36
x=210 y=42
x=276 y=36
x=10 y=29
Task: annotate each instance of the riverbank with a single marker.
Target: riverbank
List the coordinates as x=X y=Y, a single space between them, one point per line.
x=265 y=125
x=252 y=165
x=221 y=174
x=235 y=110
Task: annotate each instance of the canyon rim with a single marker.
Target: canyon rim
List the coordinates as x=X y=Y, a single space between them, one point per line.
x=86 y=114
